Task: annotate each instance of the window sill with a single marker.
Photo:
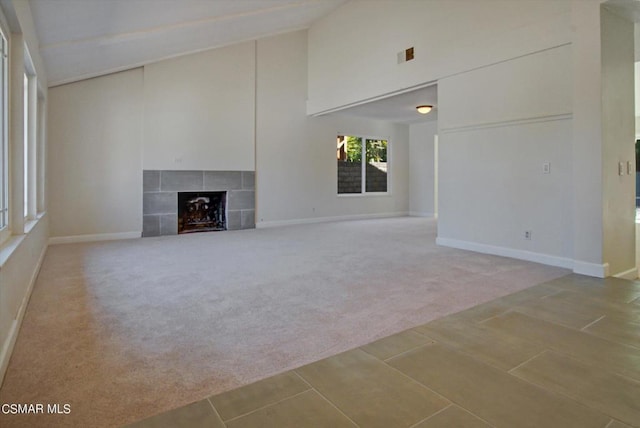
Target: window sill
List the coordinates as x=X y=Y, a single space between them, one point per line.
x=8 y=247
x=31 y=223
x=363 y=195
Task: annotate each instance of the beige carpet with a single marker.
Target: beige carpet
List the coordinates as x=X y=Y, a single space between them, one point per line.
x=123 y=330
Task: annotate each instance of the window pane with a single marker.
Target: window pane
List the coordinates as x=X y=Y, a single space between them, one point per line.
x=26 y=145
x=376 y=174
x=4 y=157
x=349 y=153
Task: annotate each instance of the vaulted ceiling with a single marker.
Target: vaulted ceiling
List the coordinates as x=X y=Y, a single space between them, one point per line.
x=87 y=38
x=80 y=39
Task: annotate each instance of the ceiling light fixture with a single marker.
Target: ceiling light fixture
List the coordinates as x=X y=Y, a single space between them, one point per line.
x=424 y=109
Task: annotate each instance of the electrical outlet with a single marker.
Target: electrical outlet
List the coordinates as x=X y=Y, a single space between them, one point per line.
x=409 y=54
x=546 y=168
x=527 y=235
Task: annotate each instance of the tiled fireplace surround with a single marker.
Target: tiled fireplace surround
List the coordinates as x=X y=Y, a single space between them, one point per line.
x=160 y=197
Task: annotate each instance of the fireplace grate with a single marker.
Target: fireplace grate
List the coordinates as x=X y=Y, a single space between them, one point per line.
x=201 y=212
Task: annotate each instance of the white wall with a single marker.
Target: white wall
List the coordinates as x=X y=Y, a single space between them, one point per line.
x=95 y=160
x=296 y=155
x=637 y=96
x=498 y=125
x=353 y=51
x=199 y=111
x=587 y=138
x=618 y=126
x=422 y=168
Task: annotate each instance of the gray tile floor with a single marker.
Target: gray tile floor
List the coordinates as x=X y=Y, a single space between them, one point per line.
x=561 y=354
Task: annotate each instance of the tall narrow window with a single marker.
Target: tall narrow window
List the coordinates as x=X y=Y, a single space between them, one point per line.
x=4 y=150
x=362 y=164
x=26 y=145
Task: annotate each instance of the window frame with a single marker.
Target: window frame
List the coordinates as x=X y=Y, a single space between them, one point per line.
x=30 y=137
x=5 y=226
x=363 y=187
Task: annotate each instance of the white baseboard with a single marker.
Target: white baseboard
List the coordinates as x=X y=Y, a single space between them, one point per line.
x=507 y=252
x=9 y=343
x=420 y=214
x=277 y=223
x=628 y=274
x=91 y=238
x=591 y=269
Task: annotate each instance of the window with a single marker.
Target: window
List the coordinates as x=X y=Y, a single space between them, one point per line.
x=354 y=175
x=4 y=149
x=26 y=145
x=30 y=142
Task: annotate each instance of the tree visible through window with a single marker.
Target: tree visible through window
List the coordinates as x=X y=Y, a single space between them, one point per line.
x=354 y=174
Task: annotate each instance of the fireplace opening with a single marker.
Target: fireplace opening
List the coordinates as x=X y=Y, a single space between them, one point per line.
x=201 y=211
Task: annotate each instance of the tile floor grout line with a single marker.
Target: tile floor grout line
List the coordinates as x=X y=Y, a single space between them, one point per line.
x=432 y=415
x=326 y=399
x=482 y=321
x=265 y=406
x=216 y=411
x=405 y=352
x=336 y=407
x=523 y=311
x=420 y=383
x=592 y=323
x=525 y=362
x=555 y=293
x=452 y=402
x=566 y=396
x=294 y=371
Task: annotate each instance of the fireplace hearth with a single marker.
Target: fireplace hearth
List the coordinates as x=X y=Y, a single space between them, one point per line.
x=201 y=211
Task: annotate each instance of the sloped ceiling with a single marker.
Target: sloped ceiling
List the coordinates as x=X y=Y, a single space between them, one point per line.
x=80 y=39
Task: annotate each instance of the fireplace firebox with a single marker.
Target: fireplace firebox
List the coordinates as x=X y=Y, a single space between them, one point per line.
x=201 y=211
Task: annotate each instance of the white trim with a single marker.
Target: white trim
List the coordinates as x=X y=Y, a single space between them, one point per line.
x=278 y=223
x=363 y=195
x=630 y=274
x=91 y=238
x=9 y=343
x=591 y=269
x=507 y=252
x=504 y=123
x=420 y=214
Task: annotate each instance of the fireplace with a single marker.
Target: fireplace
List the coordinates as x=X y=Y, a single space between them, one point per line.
x=201 y=211
x=160 y=212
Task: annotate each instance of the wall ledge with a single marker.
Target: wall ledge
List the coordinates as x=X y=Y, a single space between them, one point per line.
x=8 y=247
